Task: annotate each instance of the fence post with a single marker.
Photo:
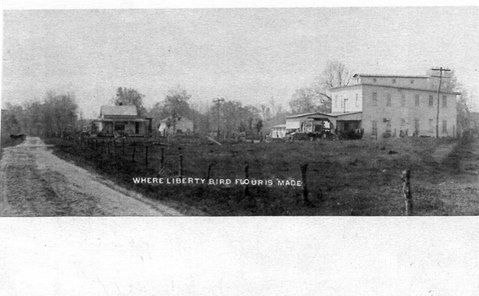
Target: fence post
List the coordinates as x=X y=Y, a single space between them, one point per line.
x=123 y=143
x=208 y=176
x=406 y=188
x=146 y=155
x=162 y=158
x=246 y=176
x=134 y=150
x=180 y=168
x=304 y=171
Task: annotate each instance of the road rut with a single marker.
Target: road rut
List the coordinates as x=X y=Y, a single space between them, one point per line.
x=34 y=182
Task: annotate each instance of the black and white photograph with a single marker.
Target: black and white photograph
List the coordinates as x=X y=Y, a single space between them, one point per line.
x=324 y=111
x=239 y=148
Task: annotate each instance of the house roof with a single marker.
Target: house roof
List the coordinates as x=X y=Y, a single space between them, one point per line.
x=394 y=86
x=306 y=114
x=391 y=76
x=279 y=126
x=121 y=120
x=344 y=113
x=315 y=114
x=118 y=110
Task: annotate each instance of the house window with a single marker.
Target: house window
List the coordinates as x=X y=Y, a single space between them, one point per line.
x=394 y=80
x=374 y=125
x=416 y=100
x=431 y=101
x=403 y=100
x=357 y=100
x=403 y=121
x=336 y=101
x=119 y=126
x=444 y=101
x=431 y=125
x=388 y=100
x=375 y=99
x=137 y=127
x=342 y=103
x=444 y=126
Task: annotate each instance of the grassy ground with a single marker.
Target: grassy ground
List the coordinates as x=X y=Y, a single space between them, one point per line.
x=344 y=177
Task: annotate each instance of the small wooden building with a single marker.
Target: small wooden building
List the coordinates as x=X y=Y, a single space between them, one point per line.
x=278 y=131
x=180 y=125
x=121 y=120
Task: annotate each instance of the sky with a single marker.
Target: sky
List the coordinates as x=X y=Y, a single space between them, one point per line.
x=249 y=55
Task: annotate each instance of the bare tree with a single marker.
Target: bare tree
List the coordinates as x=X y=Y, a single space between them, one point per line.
x=336 y=74
x=176 y=104
x=317 y=97
x=60 y=113
x=309 y=100
x=130 y=96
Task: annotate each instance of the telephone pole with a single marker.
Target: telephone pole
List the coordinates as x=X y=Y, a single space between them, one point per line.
x=441 y=69
x=218 y=102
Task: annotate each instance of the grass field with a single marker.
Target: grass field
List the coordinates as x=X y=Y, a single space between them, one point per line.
x=344 y=177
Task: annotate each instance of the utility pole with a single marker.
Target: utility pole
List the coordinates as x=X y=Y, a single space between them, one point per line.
x=218 y=103
x=441 y=69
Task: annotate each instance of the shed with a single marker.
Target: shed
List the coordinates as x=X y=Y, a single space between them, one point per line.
x=177 y=125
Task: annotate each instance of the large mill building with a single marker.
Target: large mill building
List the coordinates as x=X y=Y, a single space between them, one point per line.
x=395 y=105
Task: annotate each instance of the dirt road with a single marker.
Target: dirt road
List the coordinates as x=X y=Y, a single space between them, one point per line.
x=34 y=182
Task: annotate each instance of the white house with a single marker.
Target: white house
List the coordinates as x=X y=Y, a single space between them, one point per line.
x=278 y=131
x=181 y=125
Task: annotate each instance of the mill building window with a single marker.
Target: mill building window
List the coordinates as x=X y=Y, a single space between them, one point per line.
x=416 y=100
x=431 y=101
x=403 y=100
x=375 y=99
x=388 y=100
x=444 y=101
x=374 y=125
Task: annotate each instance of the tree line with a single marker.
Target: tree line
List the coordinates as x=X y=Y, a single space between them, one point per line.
x=56 y=115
